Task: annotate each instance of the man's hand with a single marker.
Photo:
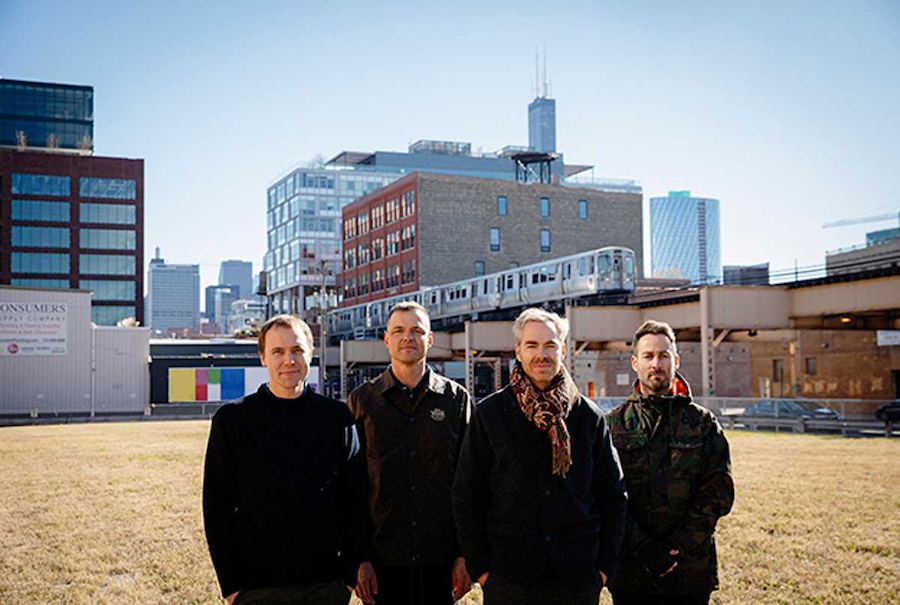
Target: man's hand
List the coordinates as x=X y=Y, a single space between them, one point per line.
x=366 y=583
x=483 y=578
x=672 y=553
x=230 y=598
x=462 y=583
x=657 y=558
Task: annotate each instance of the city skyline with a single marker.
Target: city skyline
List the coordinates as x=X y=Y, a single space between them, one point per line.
x=782 y=113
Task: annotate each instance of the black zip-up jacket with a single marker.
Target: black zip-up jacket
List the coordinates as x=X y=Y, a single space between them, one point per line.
x=411 y=447
x=283 y=492
x=515 y=518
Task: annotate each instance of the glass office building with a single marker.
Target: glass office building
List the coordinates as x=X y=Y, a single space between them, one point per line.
x=41 y=115
x=74 y=222
x=173 y=296
x=303 y=228
x=542 y=125
x=684 y=237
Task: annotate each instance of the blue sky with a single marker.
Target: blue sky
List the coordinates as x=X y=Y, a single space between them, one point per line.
x=786 y=112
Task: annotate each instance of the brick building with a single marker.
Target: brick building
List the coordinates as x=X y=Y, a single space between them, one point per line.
x=75 y=221
x=430 y=229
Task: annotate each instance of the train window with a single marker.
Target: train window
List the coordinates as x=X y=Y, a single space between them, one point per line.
x=510 y=282
x=629 y=265
x=603 y=264
x=567 y=272
x=535 y=277
x=523 y=280
x=475 y=289
x=551 y=272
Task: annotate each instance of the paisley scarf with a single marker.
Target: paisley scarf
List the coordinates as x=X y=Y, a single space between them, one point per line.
x=547 y=410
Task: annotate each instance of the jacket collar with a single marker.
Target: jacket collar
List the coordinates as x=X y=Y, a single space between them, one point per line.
x=680 y=388
x=433 y=381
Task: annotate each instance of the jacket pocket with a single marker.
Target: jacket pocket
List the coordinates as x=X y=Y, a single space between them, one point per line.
x=686 y=456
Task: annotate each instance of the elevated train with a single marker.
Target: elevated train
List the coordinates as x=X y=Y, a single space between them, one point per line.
x=608 y=270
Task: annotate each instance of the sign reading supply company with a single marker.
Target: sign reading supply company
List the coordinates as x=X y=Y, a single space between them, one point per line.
x=32 y=328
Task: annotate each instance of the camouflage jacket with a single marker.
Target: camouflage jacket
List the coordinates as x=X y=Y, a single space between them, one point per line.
x=678 y=471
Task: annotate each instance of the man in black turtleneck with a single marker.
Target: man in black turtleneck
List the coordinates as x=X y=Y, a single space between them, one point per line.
x=678 y=469
x=283 y=484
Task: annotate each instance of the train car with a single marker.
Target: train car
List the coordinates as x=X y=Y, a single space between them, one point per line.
x=608 y=270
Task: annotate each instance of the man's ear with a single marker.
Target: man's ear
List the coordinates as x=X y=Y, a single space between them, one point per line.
x=634 y=364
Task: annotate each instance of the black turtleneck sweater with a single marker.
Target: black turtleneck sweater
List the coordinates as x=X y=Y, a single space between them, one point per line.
x=283 y=492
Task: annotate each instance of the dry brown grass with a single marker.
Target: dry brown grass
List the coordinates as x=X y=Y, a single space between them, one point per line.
x=110 y=513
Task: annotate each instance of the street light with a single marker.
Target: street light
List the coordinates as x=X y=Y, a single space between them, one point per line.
x=323 y=269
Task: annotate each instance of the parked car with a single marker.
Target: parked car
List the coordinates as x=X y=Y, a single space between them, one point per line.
x=791 y=408
x=889 y=412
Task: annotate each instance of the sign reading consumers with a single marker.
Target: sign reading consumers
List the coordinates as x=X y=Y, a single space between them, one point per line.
x=32 y=328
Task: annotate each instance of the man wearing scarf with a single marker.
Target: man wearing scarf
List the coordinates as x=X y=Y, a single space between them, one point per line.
x=678 y=469
x=539 y=497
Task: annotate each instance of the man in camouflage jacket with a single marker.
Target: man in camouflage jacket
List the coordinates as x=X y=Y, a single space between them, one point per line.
x=678 y=471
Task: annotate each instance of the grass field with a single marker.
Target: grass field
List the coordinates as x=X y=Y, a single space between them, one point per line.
x=110 y=513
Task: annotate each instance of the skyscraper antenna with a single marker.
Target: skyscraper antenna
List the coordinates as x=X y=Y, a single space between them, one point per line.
x=545 y=71
x=537 y=79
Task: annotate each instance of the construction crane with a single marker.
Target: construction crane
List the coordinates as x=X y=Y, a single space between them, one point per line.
x=863 y=219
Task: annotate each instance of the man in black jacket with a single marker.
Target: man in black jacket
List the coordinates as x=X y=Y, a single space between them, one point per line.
x=539 y=499
x=411 y=424
x=283 y=484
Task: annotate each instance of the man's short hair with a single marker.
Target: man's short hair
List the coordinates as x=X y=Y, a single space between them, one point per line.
x=288 y=321
x=408 y=305
x=560 y=325
x=651 y=326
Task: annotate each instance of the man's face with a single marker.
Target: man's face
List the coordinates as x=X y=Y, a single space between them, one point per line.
x=286 y=357
x=655 y=361
x=541 y=352
x=408 y=336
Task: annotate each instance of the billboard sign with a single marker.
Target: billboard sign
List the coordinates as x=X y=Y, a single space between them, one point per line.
x=32 y=328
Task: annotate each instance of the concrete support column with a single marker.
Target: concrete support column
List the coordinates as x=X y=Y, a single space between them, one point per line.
x=570 y=340
x=470 y=361
x=707 y=335
x=343 y=376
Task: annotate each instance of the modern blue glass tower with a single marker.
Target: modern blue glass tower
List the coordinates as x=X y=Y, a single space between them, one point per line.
x=542 y=124
x=43 y=115
x=684 y=236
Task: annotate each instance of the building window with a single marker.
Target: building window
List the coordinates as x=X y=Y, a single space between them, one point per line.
x=408 y=203
x=513 y=265
x=114 y=214
x=393 y=210
x=377 y=248
x=349 y=258
x=545 y=206
x=362 y=254
x=777 y=370
x=545 y=240
x=582 y=210
x=377 y=280
x=811 y=366
x=109 y=239
x=409 y=271
x=393 y=276
x=495 y=239
x=117 y=189
x=408 y=238
x=39 y=262
x=362 y=222
x=40 y=283
x=393 y=243
x=40 y=237
x=109 y=290
x=40 y=210
x=363 y=287
x=110 y=316
x=502 y=206
x=479 y=268
x=40 y=184
x=105 y=264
